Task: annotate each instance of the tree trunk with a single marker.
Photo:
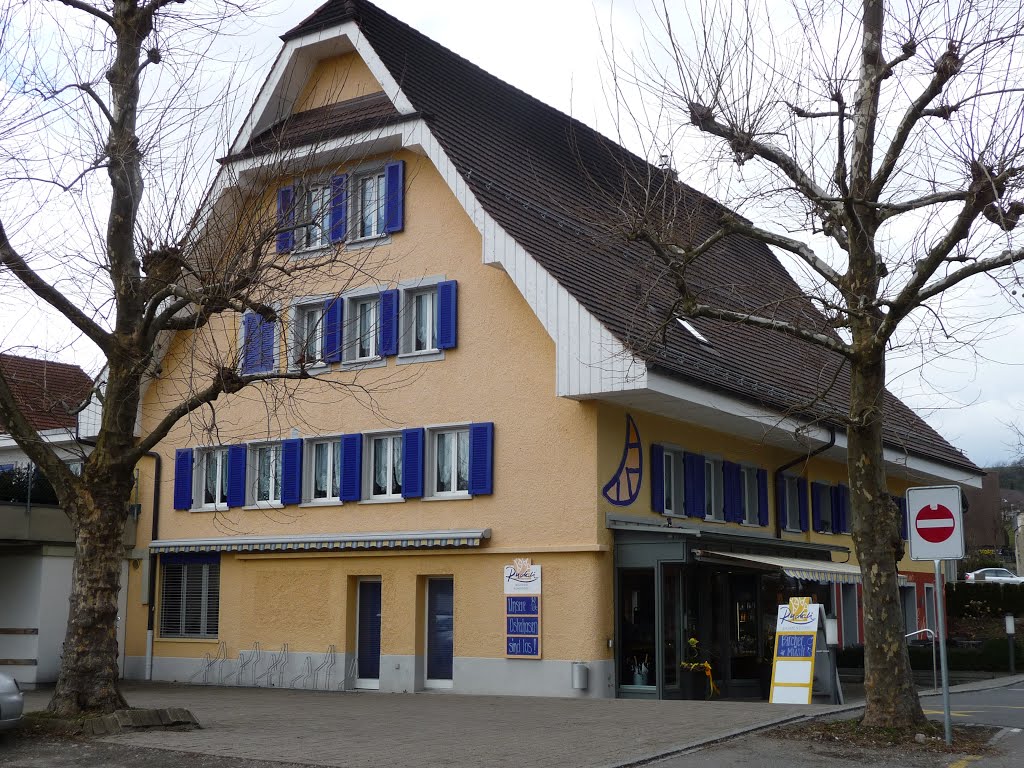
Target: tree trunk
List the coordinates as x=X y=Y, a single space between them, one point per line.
x=88 y=680
x=890 y=697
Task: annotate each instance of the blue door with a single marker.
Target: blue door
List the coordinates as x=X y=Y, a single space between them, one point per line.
x=440 y=629
x=368 y=643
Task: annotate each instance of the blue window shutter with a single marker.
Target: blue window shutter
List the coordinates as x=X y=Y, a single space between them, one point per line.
x=780 y=500
x=901 y=505
x=801 y=500
x=413 y=441
x=762 y=498
x=236 y=474
x=447 y=314
x=258 y=342
x=481 y=458
x=339 y=208
x=387 y=343
x=291 y=471
x=693 y=484
x=351 y=467
x=394 y=184
x=182 y=478
x=732 y=480
x=840 y=502
x=250 y=342
x=818 y=491
x=285 y=219
x=332 y=330
x=657 y=478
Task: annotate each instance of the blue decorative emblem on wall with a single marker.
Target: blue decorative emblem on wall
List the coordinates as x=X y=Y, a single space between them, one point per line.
x=624 y=486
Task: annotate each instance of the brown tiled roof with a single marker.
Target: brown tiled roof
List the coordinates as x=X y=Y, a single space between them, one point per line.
x=47 y=392
x=363 y=113
x=561 y=189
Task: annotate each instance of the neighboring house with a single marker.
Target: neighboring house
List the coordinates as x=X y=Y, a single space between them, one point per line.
x=665 y=492
x=36 y=540
x=984 y=527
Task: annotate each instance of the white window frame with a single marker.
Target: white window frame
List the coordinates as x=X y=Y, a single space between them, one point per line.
x=199 y=477
x=357 y=178
x=309 y=470
x=350 y=332
x=253 y=472
x=430 y=464
x=749 y=494
x=303 y=241
x=369 y=439
x=298 y=333
x=672 y=467
x=789 y=483
x=714 y=495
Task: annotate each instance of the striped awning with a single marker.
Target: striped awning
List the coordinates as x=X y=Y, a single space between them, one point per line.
x=823 y=571
x=328 y=542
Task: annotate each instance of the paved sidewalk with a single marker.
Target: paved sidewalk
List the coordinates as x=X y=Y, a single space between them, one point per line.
x=359 y=730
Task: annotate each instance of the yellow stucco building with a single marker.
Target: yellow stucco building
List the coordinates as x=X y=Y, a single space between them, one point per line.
x=488 y=469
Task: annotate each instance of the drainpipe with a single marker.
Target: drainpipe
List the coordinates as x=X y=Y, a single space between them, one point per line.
x=831 y=442
x=154 y=535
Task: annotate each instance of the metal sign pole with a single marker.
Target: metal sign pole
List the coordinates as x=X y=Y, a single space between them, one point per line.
x=940 y=610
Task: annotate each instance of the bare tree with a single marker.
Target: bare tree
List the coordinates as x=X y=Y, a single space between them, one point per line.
x=878 y=148
x=106 y=142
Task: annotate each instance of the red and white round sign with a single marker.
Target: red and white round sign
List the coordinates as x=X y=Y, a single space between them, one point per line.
x=935 y=524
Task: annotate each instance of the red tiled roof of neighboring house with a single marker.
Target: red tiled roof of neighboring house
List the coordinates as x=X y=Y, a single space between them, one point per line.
x=48 y=393
x=560 y=189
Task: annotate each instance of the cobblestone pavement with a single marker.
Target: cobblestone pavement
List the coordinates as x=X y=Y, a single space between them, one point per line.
x=357 y=730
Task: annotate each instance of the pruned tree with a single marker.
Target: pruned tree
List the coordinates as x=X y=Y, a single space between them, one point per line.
x=109 y=123
x=878 y=148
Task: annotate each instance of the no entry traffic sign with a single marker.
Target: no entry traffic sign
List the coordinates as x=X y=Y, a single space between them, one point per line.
x=936 y=523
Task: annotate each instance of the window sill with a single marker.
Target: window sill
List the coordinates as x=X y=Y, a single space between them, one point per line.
x=713 y=519
x=263 y=505
x=210 y=509
x=451 y=497
x=792 y=530
x=751 y=525
x=305 y=253
x=367 y=242
x=187 y=639
x=387 y=500
x=426 y=356
x=321 y=503
x=364 y=362
x=312 y=370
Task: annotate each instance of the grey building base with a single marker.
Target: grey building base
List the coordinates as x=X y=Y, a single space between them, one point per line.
x=398 y=674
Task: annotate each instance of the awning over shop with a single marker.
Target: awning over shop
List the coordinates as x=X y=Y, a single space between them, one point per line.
x=328 y=542
x=809 y=570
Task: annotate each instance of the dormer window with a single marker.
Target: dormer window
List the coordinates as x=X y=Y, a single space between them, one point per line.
x=316 y=214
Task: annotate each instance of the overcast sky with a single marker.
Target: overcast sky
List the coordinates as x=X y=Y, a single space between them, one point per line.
x=553 y=51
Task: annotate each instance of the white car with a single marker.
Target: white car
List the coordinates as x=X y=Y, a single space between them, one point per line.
x=12 y=702
x=995 y=575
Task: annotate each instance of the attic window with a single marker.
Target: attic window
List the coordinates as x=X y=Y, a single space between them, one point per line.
x=694 y=332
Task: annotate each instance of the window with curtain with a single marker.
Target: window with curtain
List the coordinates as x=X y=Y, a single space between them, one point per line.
x=450 y=461
x=386 y=466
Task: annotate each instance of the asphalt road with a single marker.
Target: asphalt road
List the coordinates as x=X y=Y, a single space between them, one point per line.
x=999 y=707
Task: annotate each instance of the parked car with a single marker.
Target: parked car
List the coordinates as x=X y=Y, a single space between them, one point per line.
x=12 y=702
x=996 y=575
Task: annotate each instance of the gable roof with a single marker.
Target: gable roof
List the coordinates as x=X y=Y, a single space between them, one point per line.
x=563 y=191
x=48 y=393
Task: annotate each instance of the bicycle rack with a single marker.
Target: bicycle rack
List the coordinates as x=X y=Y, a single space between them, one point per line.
x=326 y=665
x=277 y=662
x=209 y=662
x=308 y=664
x=247 y=659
